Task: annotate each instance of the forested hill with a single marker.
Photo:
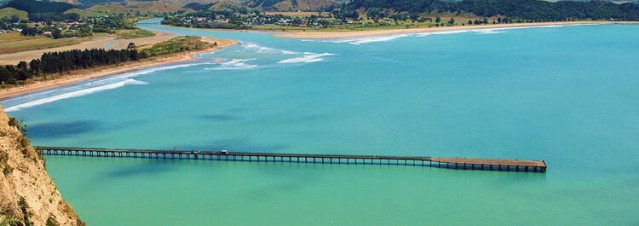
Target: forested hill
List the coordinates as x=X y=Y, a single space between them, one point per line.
x=522 y=9
x=33 y=6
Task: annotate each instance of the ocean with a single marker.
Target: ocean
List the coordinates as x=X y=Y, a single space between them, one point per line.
x=564 y=94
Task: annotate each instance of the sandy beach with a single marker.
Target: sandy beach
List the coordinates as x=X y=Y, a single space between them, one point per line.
x=355 y=34
x=93 y=73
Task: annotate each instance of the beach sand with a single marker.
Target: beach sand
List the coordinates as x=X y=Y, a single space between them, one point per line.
x=355 y=34
x=93 y=73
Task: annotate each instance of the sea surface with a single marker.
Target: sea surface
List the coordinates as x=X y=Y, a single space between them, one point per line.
x=567 y=95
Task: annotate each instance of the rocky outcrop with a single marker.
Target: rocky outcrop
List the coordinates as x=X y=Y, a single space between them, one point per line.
x=27 y=193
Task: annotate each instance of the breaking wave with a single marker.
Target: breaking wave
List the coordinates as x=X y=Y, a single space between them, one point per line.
x=307 y=58
x=103 y=84
x=75 y=94
x=234 y=64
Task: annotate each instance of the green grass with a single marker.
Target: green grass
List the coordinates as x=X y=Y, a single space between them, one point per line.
x=14 y=42
x=8 y=12
x=136 y=33
x=177 y=45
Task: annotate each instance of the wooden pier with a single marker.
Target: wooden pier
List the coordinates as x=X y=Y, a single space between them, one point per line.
x=449 y=163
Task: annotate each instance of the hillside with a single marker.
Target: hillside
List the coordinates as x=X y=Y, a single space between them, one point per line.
x=290 y=5
x=27 y=193
x=11 y=12
x=223 y=4
x=130 y=7
x=520 y=10
x=88 y=3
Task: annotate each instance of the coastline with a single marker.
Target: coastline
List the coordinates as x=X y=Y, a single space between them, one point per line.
x=368 y=33
x=93 y=73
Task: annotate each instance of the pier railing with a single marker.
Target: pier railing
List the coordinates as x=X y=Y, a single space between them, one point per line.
x=449 y=163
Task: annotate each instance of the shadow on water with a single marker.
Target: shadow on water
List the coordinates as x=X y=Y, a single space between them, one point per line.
x=238 y=145
x=150 y=167
x=219 y=117
x=61 y=129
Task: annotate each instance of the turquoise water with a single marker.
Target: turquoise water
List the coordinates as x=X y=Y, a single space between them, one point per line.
x=567 y=95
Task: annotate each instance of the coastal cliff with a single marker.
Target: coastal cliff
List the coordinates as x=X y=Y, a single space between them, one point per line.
x=27 y=193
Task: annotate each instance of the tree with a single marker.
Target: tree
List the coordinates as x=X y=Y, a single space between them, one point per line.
x=22 y=65
x=34 y=65
x=56 y=34
x=451 y=21
x=14 y=18
x=131 y=45
x=438 y=20
x=29 y=31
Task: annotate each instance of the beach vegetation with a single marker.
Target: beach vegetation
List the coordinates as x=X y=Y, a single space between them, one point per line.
x=65 y=61
x=14 y=122
x=176 y=45
x=62 y=62
x=51 y=221
x=8 y=221
x=24 y=208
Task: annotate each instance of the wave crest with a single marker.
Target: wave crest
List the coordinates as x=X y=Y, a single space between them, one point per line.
x=75 y=94
x=307 y=58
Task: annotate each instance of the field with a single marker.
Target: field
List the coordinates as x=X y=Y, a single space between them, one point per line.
x=130 y=34
x=14 y=42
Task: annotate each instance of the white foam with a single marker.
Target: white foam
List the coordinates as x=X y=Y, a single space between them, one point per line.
x=364 y=40
x=307 y=58
x=286 y=52
x=488 y=31
x=108 y=83
x=235 y=64
x=384 y=38
x=75 y=94
x=260 y=49
x=151 y=70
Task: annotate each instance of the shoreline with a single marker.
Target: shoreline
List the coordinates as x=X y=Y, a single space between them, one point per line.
x=101 y=72
x=371 y=33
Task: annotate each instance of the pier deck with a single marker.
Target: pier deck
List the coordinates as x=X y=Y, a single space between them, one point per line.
x=450 y=163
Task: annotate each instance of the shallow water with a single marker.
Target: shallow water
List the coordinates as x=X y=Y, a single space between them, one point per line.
x=563 y=94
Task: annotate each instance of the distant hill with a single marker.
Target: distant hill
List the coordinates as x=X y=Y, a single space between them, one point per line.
x=224 y=4
x=11 y=12
x=129 y=7
x=87 y=2
x=290 y=5
x=33 y=6
x=519 y=10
